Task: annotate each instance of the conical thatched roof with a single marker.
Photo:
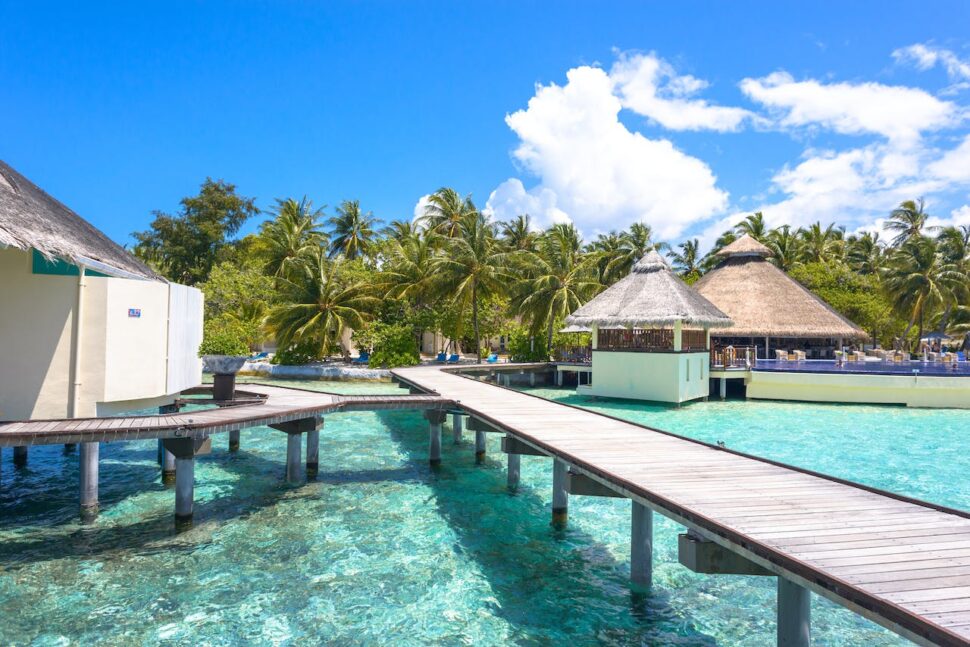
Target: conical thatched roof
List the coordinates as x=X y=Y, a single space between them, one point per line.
x=744 y=246
x=29 y=218
x=763 y=301
x=650 y=296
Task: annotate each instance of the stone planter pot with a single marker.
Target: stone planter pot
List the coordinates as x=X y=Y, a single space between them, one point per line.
x=224 y=369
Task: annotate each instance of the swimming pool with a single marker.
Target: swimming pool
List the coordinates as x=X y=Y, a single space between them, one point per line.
x=381 y=550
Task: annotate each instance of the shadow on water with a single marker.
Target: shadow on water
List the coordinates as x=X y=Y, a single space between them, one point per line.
x=540 y=576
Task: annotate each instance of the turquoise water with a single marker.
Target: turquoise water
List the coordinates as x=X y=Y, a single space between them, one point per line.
x=382 y=550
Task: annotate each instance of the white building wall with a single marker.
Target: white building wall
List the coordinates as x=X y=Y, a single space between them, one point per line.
x=656 y=377
x=185 y=307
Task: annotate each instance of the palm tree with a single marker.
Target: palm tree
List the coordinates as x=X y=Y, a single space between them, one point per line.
x=447 y=212
x=785 y=246
x=687 y=260
x=316 y=305
x=562 y=278
x=634 y=244
x=711 y=259
x=606 y=249
x=919 y=278
x=906 y=221
x=754 y=226
x=409 y=272
x=518 y=234
x=820 y=245
x=954 y=246
x=400 y=229
x=291 y=236
x=865 y=253
x=353 y=231
x=472 y=267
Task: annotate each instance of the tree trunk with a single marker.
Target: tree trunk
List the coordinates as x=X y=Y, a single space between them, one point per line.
x=549 y=339
x=478 y=341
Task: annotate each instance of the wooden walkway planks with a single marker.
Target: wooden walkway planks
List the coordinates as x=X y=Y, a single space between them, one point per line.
x=839 y=539
x=277 y=404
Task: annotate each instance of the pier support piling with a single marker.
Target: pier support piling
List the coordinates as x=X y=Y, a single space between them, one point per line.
x=560 y=495
x=294 y=458
x=234 y=440
x=457 y=427
x=559 y=375
x=69 y=448
x=479 y=446
x=641 y=546
x=312 y=453
x=515 y=463
x=794 y=614
x=20 y=456
x=435 y=419
x=168 y=467
x=184 y=491
x=88 y=473
x=532 y=379
x=723 y=387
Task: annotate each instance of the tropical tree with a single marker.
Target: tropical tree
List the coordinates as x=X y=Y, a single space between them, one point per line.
x=518 y=233
x=820 y=245
x=865 y=253
x=711 y=259
x=400 y=229
x=447 y=213
x=561 y=279
x=292 y=235
x=906 y=221
x=687 y=260
x=918 y=279
x=754 y=226
x=317 y=305
x=634 y=244
x=785 y=246
x=606 y=249
x=353 y=230
x=472 y=266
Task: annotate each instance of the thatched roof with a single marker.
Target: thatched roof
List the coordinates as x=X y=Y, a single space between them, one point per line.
x=744 y=246
x=650 y=296
x=763 y=301
x=29 y=218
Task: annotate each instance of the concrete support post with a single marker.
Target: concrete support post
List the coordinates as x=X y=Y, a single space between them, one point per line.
x=69 y=448
x=312 y=453
x=559 y=375
x=532 y=379
x=435 y=420
x=88 y=471
x=641 y=546
x=20 y=456
x=161 y=452
x=234 y=440
x=723 y=387
x=457 y=423
x=184 y=491
x=794 y=615
x=168 y=467
x=514 y=469
x=294 y=457
x=479 y=446
x=560 y=495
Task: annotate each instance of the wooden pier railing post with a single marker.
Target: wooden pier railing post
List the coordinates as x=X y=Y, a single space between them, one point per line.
x=560 y=495
x=794 y=614
x=88 y=477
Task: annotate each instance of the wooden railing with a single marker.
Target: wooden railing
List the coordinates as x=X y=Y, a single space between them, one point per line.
x=734 y=357
x=653 y=339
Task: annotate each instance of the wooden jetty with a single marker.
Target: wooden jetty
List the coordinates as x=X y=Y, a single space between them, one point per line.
x=900 y=562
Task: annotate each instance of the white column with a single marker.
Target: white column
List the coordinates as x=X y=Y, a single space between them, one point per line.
x=723 y=387
x=294 y=455
x=595 y=340
x=457 y=427
x=88 y=466
x=184 y=490
x=168 y=467
x=560 y=497
x=641 y=545
x=794 y=615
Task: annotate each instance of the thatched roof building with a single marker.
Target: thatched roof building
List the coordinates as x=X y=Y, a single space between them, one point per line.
x=763 y=301
x=29 y=218
x=651 y=296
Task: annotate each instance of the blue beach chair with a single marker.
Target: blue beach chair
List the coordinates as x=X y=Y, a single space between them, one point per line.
x=454 y=359
x=363 y=358
x=492 y=359
x=442 y=357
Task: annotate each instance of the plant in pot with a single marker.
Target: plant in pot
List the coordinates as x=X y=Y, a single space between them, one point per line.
x=223 y=351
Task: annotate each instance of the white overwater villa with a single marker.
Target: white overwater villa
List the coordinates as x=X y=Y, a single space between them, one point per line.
x=651 y=336
x=88 y=329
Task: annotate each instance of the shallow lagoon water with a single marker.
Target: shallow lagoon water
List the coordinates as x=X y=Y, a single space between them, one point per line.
x=380 y=549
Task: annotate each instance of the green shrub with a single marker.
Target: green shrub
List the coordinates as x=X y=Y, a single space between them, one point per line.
x=525 y=347
x=220 y=337
x=390 y=345
x=298 y=354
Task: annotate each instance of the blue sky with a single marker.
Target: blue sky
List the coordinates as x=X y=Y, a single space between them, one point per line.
x=683 y=115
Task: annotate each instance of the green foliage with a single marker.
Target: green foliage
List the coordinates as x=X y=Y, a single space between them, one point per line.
x=222 y=337
x=232 y=288
x=390 y=345
x=859 y=298
x=526 y=347
x=300 y=353
x=185 y=246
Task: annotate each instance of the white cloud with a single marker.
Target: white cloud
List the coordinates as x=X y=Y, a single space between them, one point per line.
x=651 y=87
x=925 y=57
x=954 y=165
x=420 y=206
x=510 y=199
x=958 y=218
x=594 y=169
x=898 y=113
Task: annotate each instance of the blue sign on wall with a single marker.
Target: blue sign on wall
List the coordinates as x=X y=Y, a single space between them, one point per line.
x=134 y=313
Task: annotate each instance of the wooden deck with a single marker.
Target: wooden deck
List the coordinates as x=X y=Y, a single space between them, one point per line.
x=276 y=405
x=901 y=562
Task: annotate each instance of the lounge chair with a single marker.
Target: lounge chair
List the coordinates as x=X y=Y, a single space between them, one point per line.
x=454 y=359
x=363 y=358
x=781 y=355
x=492 y=359
x=442 y=357
x=258 y=356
